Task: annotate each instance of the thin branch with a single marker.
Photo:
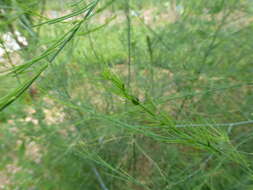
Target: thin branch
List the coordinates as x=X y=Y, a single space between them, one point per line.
x=99 y=178
x=216 y=125
x=129 y=38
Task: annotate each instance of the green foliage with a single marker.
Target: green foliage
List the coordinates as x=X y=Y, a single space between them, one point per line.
x=127 y=95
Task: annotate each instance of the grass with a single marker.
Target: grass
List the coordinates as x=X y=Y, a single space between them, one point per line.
x=128 y=95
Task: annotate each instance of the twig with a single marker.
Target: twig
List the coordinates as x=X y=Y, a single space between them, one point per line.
x=216 y=125
x=100 y=180
x=129 y=38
